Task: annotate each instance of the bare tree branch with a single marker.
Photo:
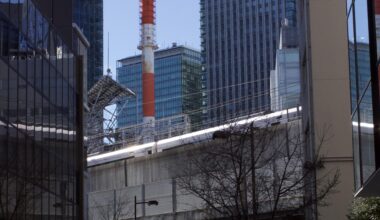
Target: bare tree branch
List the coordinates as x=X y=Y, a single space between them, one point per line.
x=221 y=172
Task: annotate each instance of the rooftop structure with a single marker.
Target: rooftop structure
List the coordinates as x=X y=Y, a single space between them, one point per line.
x=104 y=93
x=276 y=117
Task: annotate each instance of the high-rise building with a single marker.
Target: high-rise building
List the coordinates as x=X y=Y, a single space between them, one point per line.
x=239 y=43
x=89 y=17
x=285 y=82
x=41 y=108
x=177 y=86
x=363 y=21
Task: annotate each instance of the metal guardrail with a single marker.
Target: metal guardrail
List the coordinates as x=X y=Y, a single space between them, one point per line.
x=125 y=151
x=119 y=138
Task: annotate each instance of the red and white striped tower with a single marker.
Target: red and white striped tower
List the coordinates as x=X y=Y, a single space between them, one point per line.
x=148 y=46
x=377 y=7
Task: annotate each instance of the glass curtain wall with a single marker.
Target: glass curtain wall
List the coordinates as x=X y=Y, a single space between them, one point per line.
x=239 y=39
x=167 y=88
x=177 y=87
x=38 y=150
x=191 y=87
x=360 y=66
x=89 y=18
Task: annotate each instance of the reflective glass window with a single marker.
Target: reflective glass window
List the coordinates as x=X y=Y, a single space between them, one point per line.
x=361 y=91
x=37 y=147
x=367 y=135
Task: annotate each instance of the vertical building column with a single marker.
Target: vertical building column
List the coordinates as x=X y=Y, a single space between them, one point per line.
x=79 y=137
x=326 y=102
x=143 y=199
x=174 y=197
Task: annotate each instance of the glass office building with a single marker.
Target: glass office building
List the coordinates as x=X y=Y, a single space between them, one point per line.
x=285 y=80
x=364 y=83
x=285 y=83
x=89 y=17
x=40 y=129
x=239 y=40
x=177 y=86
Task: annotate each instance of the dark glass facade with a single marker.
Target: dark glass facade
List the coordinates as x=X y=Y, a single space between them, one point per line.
x=239 y=39
x=89 y=17
x=177 y=86
x=39 y=146
x=364 y=88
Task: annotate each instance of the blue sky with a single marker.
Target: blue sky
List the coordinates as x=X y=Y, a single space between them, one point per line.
x=177 y=21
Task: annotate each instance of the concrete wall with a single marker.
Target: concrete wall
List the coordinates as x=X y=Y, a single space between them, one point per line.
x=327 y=94
x=135 y=171
x=152 y=177
x=148 y=178
x=171 y=202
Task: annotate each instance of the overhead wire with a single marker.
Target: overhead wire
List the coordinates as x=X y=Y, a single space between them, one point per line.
x=223 y=104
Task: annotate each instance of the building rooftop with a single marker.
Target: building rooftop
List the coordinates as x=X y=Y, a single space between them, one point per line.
x=170 y=51
x=106 y=92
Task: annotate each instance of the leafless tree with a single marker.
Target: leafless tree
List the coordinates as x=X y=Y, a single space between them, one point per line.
x=111 y=209
x=16 y=195
x=20 y=185
x=27 y=181
x=258 y=170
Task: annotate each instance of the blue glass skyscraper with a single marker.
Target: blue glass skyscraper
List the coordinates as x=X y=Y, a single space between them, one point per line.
x=239 y=42
x=89 y=17
x=177 y=86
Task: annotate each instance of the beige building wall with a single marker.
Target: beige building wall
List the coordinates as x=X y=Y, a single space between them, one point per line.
x=329 y=97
